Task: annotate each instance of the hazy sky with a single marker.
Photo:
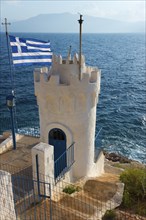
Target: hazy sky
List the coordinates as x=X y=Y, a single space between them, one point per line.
x=120 y=10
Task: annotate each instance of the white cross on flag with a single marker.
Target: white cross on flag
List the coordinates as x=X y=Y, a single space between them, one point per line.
x=30 y=51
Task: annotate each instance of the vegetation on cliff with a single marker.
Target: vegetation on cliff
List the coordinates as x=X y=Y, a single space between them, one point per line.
x=134 y=196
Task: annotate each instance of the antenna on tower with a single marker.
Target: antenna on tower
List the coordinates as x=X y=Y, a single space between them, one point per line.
x=80 y=45
x=69 y=54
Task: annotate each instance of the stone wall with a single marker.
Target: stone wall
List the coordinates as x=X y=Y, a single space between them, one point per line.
x=7 y=143
x=127 y=216
x=7 y=209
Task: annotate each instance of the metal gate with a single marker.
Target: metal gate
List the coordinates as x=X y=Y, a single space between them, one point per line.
x=30 y=204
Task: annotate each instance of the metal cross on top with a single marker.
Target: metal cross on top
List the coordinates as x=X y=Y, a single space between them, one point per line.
x=6 y=25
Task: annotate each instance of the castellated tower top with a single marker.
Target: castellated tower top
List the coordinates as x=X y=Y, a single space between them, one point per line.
x=65 y=72
x=61 y=85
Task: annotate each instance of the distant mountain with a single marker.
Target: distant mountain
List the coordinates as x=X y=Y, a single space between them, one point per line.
x=67 y=23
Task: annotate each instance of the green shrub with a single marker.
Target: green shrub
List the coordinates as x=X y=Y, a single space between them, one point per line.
x=71 y=189
x=141 y=208
x=135 y=189
x=109 y=215
x=127 y=200
x=135 y=182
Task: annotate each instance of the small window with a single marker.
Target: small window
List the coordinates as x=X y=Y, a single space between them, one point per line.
x=57 y=134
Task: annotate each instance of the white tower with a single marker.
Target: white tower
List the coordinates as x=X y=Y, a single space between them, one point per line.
x=67 y=112
x=67 y=96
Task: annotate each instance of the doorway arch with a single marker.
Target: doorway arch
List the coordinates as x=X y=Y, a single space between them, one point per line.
x=57 y=138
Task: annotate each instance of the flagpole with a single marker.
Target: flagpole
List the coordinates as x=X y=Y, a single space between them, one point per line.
x=8 y=48
x=80 y=46
x=10 y=99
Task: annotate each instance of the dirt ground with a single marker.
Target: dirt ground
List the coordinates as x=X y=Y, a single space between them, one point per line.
x=21 y=157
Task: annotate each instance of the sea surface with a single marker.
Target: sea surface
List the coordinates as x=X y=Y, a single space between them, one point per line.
x=121 y=111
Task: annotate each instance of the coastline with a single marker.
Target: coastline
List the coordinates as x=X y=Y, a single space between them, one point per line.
x=121 y=161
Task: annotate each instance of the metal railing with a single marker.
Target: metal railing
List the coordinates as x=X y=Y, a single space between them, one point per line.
x=98 y=144
x=64 y=162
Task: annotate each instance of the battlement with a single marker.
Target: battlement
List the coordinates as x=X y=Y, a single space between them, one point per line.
x=66 y=73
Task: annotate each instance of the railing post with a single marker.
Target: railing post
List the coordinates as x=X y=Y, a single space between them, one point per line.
x=37 y=171
x=50 y=201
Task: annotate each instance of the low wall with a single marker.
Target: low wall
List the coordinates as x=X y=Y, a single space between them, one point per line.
x=7 y=208
x=7 y=144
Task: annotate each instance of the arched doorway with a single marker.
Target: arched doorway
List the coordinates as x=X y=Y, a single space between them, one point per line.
x=57 y=138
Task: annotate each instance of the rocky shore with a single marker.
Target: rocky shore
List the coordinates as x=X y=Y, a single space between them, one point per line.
x=116 y=157
x=123 y=162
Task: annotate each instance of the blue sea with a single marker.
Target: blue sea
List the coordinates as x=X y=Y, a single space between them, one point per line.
x=121 y=111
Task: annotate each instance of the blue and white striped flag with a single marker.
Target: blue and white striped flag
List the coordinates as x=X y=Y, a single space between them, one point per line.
x=30 y=51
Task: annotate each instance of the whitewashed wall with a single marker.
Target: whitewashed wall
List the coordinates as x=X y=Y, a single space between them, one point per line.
x=7 y=208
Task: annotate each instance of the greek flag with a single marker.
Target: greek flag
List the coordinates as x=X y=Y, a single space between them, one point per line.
x=30 y=51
